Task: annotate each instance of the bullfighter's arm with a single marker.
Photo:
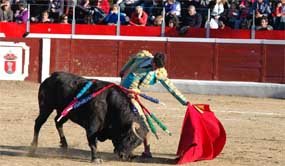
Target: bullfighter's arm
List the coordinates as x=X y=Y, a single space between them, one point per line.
x=127 y=65
x=162 y=77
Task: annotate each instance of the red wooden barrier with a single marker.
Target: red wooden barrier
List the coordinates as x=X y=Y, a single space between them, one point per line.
x=17 y=30
x=185 y=60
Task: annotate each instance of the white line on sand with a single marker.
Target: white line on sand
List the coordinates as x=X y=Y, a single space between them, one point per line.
x=242 y=112
x=252 y=113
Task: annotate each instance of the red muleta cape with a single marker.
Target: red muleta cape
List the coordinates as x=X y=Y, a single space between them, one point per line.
x=202 y=137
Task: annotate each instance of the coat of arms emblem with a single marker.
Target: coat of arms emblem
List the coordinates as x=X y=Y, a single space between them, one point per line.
x=10 y=63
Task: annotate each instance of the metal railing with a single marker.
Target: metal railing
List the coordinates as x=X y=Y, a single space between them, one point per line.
x=163 y=24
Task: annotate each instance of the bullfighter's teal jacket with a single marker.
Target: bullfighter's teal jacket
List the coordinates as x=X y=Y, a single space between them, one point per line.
x=138 y=72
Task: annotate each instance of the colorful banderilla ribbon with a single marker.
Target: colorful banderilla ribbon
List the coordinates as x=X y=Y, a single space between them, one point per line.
x=77 y=103
x=149 y=115
x=72 y=103
x=152 y=99
x=149 y=98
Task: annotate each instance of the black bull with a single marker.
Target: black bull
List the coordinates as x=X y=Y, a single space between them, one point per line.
x=107 y=116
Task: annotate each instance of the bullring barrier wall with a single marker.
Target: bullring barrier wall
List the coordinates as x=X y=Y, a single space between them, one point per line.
x=239 y=60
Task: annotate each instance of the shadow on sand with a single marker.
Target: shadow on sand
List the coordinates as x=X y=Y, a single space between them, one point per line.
x=79 y=155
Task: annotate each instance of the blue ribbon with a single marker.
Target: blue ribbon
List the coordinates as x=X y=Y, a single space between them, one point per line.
x=84 y=89
x=149 y=98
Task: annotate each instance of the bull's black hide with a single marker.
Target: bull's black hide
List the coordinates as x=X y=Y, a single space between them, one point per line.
x=107 y=116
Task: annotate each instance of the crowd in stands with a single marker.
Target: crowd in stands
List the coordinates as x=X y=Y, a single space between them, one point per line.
x=181 y=14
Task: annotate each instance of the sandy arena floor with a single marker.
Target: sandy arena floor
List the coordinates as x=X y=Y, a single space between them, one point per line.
x=255 y=131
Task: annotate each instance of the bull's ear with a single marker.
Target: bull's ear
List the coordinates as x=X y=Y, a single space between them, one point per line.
x=135 y=128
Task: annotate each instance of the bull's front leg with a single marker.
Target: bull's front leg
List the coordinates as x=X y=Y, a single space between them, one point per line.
x=59 y=127
x=92 y=141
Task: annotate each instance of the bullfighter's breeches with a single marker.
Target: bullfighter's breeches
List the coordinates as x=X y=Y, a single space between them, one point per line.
x=139 y=108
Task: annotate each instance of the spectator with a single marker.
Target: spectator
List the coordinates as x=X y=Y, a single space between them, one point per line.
x=261 y=9
x=148 y=6
x=203 y=10
x=215 y=23
x=112 y=17
x=83 y=9
x=234 y=17
x=264 y=25
x=103 y=5
x=45 y=17
x=155 y=10
x=218 y=7
x=158 y=20
x=245 y=14
x=89 y=14
x=85 y=4
x=88 y=19
x=64 y=19
x=186 y=3
x=192 y=19
x=128 y=6
x=6 y=14
x=99 y=11
x=157 y=7
x=280 y=15
x=21 y=15
x=172 y=21
x=68 y=7
x=38 y=6
x=204 y=3
x=14 y=6
x=172 y=7
x=139 y=17
x=56 y=9
x=218 y=12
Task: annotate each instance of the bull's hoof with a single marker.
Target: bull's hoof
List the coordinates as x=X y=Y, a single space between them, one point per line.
x=146 y=155
x=64 y=147
x=32 y=151
x=63 y=143
x=97 y=161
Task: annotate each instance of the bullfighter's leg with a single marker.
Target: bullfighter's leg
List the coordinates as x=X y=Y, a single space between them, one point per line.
x=59 y=127
x=146 y=142
x=92 y=141
x=41 y=119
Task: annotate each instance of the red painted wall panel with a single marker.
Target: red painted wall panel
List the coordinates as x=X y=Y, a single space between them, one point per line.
x=230 y=33
x=88 y=29
x=60 y=55
x=51 y=28
x=185 y=60
x=140 y=31
x=191 y=60
x=94 y=57
x=239 y=62
x=276 y=34
x=203 y=61
x=275 y=63
x=192 y=32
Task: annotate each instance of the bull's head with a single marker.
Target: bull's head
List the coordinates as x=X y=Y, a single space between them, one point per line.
x=129 y=140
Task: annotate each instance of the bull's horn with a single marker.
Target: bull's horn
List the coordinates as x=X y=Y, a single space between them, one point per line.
x=136 y=126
